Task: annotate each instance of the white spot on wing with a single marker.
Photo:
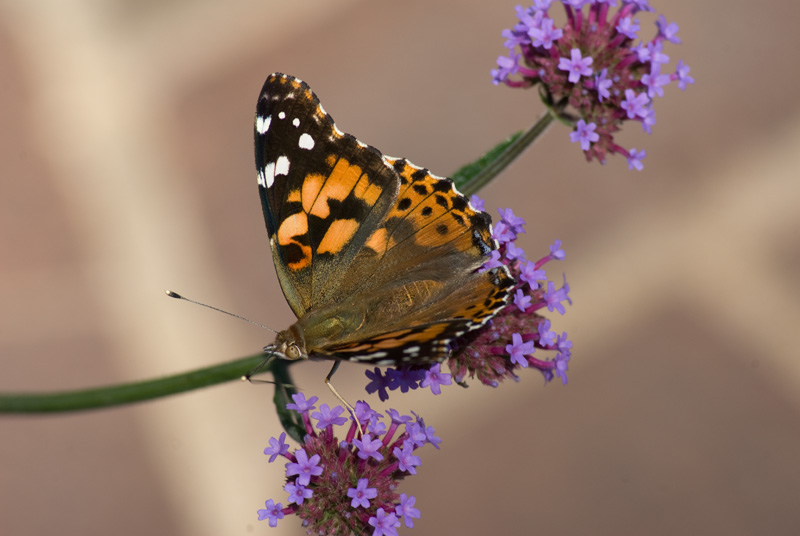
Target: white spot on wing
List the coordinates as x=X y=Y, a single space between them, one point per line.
x=262 y=180
x=269 y=174
x=411 y=350
x=282 y=166
x=281 y=115
x=306 y=141
x=296 y=122
x=262 y=124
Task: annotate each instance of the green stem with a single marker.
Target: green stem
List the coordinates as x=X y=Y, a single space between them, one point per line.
x=472 y=177
x=129 y=392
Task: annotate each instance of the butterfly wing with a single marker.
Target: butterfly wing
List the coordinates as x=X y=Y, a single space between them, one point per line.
x=377 y=257
x=322 y=191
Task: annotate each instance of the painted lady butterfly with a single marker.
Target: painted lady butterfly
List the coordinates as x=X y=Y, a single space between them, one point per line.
x=378 y=258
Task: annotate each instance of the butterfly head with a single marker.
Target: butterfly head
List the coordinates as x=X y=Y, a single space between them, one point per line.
x=289 y=345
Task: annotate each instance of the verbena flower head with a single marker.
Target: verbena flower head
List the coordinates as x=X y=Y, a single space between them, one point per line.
x=348 y=486
x=599 y=64
x=520 y=336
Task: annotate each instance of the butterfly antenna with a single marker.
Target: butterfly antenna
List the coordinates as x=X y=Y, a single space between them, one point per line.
x=177 y=296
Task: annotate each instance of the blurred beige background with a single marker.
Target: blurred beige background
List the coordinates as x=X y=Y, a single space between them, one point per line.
x=127 y=168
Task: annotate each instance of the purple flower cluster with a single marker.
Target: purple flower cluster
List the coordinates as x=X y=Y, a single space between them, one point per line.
x=593 y=64
x=519 y=331
x=348 y=487
x=508 y=343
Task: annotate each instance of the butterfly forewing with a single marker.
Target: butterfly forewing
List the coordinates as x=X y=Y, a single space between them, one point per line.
x=321 y=191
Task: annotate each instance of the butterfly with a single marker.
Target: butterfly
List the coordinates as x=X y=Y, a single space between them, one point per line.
x=379 y=259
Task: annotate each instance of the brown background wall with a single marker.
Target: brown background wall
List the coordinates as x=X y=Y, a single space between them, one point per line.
x=126 y=168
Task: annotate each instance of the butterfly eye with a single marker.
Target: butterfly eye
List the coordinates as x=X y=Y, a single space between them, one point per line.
x=293 y=352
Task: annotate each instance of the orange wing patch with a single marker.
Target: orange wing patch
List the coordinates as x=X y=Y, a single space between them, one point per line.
x=436 y=212
x=338 y=186
x=337 y=236
x=299 y=254
x=379 y=241
x=294 y=197
x=312 y=185
x=367 y=191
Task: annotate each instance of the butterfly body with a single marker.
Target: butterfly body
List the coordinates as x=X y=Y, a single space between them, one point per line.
x=379 y=259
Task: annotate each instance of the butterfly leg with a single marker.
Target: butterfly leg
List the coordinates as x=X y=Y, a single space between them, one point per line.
x=269 y=357
x=342 y=400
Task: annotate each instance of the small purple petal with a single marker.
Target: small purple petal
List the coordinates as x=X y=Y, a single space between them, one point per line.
x=655 y=81
x=545 y=34
x=668 y=31
x=531 y=275
x=406 y=510
x=397 y=418
x=434 y=378
x=635 y=105
x=556 y=252
x=682 y=72
x=635 y=159
x=368 y=447
x=385 y=524
x=277 y=447
x=506 y=66
x=554 y=297
x=361 y=494
x=301 y=405
x=584 y=134
x=477 y=203
x=603 y=84
x=378 y=382
x=494 y=261
x=297 y=492
x=649 y=119
x=546 y=336
x=518 y=350
x=562 y=366
x=272 y=511
x=576 y=65
x=329 y=417
x=563 y=343
x=405 y=379
x=305 y=468
x=655 y=54
x=628 y=27
x=503 y=232
x=514 y=222
x=406 y=459
x=513 y=253
x=522 y=300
